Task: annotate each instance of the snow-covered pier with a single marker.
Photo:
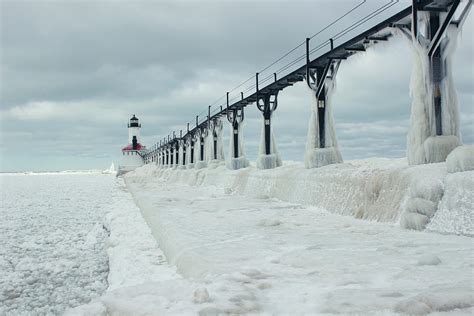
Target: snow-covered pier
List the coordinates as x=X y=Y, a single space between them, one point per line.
x=274 y=241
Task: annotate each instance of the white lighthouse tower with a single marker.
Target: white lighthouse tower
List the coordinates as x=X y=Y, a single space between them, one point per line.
x=132 y=154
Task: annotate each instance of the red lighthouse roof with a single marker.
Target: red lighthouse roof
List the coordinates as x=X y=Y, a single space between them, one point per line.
x=130 y=147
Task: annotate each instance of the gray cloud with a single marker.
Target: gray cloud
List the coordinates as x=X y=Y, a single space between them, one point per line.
x=72 y=74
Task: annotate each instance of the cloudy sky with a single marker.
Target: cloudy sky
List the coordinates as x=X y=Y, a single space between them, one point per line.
x=73 y=72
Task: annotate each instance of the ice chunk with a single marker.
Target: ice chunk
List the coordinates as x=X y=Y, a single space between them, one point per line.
x=237 y=163
x=455 y=213
x=201 y=296
x=428 y=260
x=413 y=221
x=461 y=159
x=421 y=206
x=319 y=157
x=437 y=148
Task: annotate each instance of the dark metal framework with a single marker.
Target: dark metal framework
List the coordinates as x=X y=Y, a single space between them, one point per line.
x=267 y=103
x=235 y=116
x=325 y=66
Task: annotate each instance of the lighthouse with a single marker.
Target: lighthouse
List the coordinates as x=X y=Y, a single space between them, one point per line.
x=132 y=154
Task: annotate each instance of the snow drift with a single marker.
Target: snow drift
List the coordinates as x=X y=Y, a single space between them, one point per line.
x=386 y=190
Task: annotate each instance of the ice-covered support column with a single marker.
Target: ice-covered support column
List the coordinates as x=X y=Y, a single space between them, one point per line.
x=170 y=153
x=237 y=159
x=182 y=150
x=160 y=155
x=168 y=156
x=321 y=144
x=268 y=157
x=434 y=120
x=190 y=149
x=201 y=134
x=215 y=148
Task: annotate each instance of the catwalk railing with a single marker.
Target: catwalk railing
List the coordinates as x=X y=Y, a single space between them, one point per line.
x=318 y=64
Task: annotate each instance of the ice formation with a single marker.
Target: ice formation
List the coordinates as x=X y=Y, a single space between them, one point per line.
x=272 y=160
x=461 y=159
x=218 y=128
x=241 y=161
x=190 y=165
x=425 y=193
x=268 y=251
x=180 y=160
x=198 y=163
x=424 y=146
x=315 y=156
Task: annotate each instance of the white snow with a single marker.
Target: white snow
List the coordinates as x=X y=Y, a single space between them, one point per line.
x=241 y=250
x=461 y=159
x=456 y=210
x=52 y=242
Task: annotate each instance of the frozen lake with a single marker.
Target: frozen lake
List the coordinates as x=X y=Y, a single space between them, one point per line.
x=52 y=241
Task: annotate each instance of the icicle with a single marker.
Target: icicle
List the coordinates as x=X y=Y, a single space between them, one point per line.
x=272 y=160
x=423 y=145
x=315 y=156
x=241 y=161
x=214 y=162
x=199 y=164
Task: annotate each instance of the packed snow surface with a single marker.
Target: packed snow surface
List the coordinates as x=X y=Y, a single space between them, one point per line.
x=241 y=250
x=52 y=241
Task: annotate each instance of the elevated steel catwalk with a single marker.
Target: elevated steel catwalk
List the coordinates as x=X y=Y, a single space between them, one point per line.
x=380 y=32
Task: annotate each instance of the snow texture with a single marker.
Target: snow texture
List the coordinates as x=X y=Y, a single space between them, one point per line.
x=423 y=146
x=241 y=161
x=52 y=241
x=456 y=212
x=424 y=195
x=268 y=256
x=273 y=159
x=315 y=156
x=461 y=159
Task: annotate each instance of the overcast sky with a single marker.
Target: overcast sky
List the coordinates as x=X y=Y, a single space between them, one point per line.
x=73 y=73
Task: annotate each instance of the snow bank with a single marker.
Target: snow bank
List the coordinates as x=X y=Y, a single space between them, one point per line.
x=251 y=253
x=384 y=190
x=357 y=190
x=456 y=213
x=461 y=159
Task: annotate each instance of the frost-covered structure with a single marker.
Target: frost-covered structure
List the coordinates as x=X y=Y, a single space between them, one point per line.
x=215 y=144
x=264 y=160
x=434 y=121
x=461 y=159
x=237 y=159
x=199 y=149
x=268 y=156
x=321 y=144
